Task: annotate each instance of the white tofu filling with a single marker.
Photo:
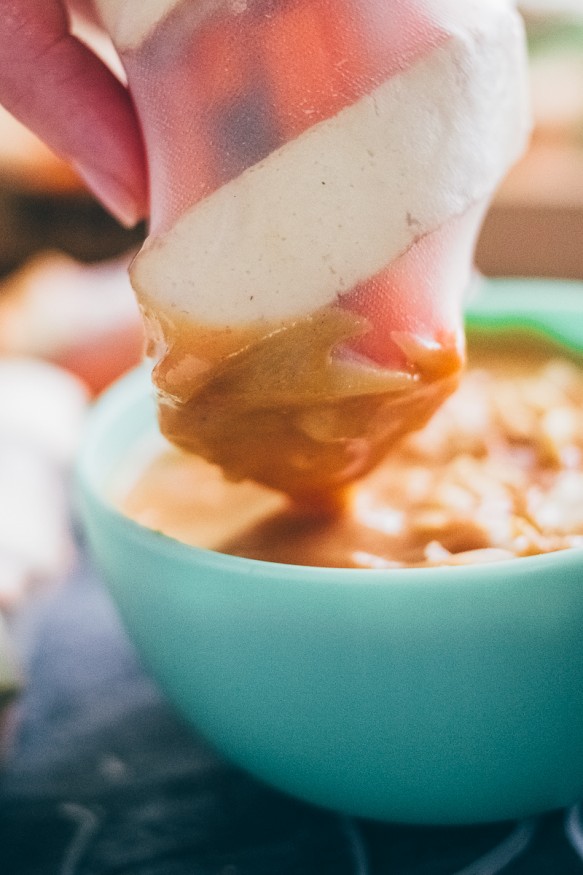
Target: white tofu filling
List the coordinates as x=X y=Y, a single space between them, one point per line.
x=343 y=200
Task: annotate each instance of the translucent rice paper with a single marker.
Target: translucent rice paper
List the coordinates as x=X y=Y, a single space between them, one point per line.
x=319 y=170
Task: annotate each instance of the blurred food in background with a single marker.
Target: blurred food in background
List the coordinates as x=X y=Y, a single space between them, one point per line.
x=535 y=225
x=42 y=410
x=82 y=317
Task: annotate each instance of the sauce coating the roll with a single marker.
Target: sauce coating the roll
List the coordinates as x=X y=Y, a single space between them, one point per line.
x=319 y=171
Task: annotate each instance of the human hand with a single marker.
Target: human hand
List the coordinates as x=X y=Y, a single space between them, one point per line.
x=61 y=90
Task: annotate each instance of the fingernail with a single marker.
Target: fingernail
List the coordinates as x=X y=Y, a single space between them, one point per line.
x=114 y=196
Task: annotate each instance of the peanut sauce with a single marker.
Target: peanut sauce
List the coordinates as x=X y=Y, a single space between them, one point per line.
x=308 y=430
x=497 y=473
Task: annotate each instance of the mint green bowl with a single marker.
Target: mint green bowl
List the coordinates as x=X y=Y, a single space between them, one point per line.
x=444 y=696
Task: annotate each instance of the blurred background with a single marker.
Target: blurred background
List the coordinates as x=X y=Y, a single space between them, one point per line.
x=535 y=225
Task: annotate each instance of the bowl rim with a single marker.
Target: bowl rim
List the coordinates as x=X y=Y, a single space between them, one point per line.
x=499 y=305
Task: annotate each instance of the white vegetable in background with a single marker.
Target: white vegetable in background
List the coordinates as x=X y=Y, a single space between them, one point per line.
x=41 y=414
x=54 y=303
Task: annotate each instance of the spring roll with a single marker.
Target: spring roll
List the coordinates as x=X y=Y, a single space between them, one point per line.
x=319 y=170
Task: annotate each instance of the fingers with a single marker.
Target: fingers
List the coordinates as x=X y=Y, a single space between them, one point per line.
x=68 y=97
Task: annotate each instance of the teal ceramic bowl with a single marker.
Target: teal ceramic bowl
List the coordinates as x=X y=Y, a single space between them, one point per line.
x=443 y=696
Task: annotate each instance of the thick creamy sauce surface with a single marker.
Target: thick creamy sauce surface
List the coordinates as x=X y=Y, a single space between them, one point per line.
x=309 y=430
x=497 y=473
